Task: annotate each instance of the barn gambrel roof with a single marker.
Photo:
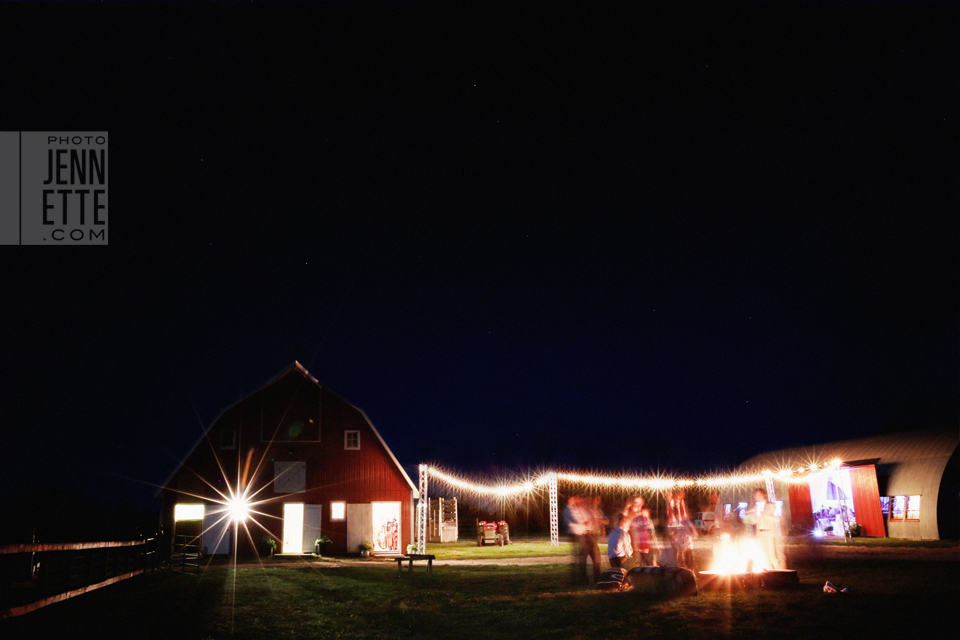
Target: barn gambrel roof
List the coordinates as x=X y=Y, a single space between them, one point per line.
x=300 y=369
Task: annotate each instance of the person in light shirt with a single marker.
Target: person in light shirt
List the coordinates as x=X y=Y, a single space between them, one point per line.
x=760 y=500
x=753 y=515
x=770 y=539
x=619 y=547
x=766 y=528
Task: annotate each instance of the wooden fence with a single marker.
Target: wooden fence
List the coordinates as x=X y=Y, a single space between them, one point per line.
x=35 y=575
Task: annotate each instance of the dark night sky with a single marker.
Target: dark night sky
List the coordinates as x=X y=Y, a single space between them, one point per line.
x=667 y=236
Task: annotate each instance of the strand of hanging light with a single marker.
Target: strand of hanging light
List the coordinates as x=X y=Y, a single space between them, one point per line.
x=621 y=481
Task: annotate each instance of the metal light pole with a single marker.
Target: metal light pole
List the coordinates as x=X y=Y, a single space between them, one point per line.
x=554 y=520
x=422 y=512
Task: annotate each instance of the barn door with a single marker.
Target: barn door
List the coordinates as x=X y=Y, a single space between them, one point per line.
x=301 y=527
x=216 y=532
x=801 y=510
x=292 y=527
x=866 y=500
x=311 y=527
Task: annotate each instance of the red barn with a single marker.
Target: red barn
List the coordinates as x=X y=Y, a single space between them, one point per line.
x=308 y=462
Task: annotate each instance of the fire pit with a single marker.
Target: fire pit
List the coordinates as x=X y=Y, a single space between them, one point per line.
x=741 y=564
x=718 y=581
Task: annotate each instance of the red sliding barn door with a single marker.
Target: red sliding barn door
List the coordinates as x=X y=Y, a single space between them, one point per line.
x=801 y=511
x=866 y=500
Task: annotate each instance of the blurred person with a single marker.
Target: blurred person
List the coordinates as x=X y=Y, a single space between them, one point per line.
x=574 y=516
x=642 y=535
x=681 y=539
x=619 y=547
x=770 y=539
x=594 y=521
x=754 y=513
x=681 y=531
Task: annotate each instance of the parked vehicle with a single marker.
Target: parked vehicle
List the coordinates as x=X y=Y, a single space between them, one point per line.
x=705 y=521
x=489 y=533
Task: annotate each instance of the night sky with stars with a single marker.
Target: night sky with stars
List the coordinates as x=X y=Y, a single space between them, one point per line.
x=638 y=237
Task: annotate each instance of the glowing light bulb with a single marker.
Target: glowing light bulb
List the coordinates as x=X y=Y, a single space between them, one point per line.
x=238 y=509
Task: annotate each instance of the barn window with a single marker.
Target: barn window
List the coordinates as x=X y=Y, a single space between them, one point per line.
x=898 y=507
x=183 y=511
x=228 y=439
x=351 y=439
x=338 y=511
x=913 y=507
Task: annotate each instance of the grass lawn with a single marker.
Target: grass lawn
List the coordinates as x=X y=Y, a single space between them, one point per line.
x=368 y=600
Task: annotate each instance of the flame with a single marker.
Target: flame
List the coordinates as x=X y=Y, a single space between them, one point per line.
x=741 y=556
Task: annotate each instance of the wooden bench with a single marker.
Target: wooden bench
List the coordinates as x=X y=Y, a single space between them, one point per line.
x=411 y=558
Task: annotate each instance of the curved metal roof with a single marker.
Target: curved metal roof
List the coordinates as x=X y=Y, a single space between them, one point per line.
x=922 y=444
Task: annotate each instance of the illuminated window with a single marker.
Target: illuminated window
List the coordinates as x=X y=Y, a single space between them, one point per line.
x=228 y=439
x=913 y=507
x=338 y=511
x=885 y=506
x=187 y=512
x=351 y=439
x=727 y=509
x=898 y=507
x=778 y=511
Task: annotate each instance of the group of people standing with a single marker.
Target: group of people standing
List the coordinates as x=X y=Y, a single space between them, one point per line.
x=632 y=540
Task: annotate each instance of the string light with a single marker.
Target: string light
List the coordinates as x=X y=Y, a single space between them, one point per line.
x=786 y=474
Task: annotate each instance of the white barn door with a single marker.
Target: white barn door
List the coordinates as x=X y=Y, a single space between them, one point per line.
x=216 y=535
x=311 y=527
x=301 y=527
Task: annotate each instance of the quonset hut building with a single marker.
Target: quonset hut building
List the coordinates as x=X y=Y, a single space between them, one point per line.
x=901 y=485
x=310 y=463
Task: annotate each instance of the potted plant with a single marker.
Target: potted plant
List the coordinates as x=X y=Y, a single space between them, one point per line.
x=365 y=548
x=269 y=545
x=323 y=545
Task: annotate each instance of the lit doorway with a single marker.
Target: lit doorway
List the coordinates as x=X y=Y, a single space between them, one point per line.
x=292 y=527
x=301 y=527
x=831 y=500
x=386 y=527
